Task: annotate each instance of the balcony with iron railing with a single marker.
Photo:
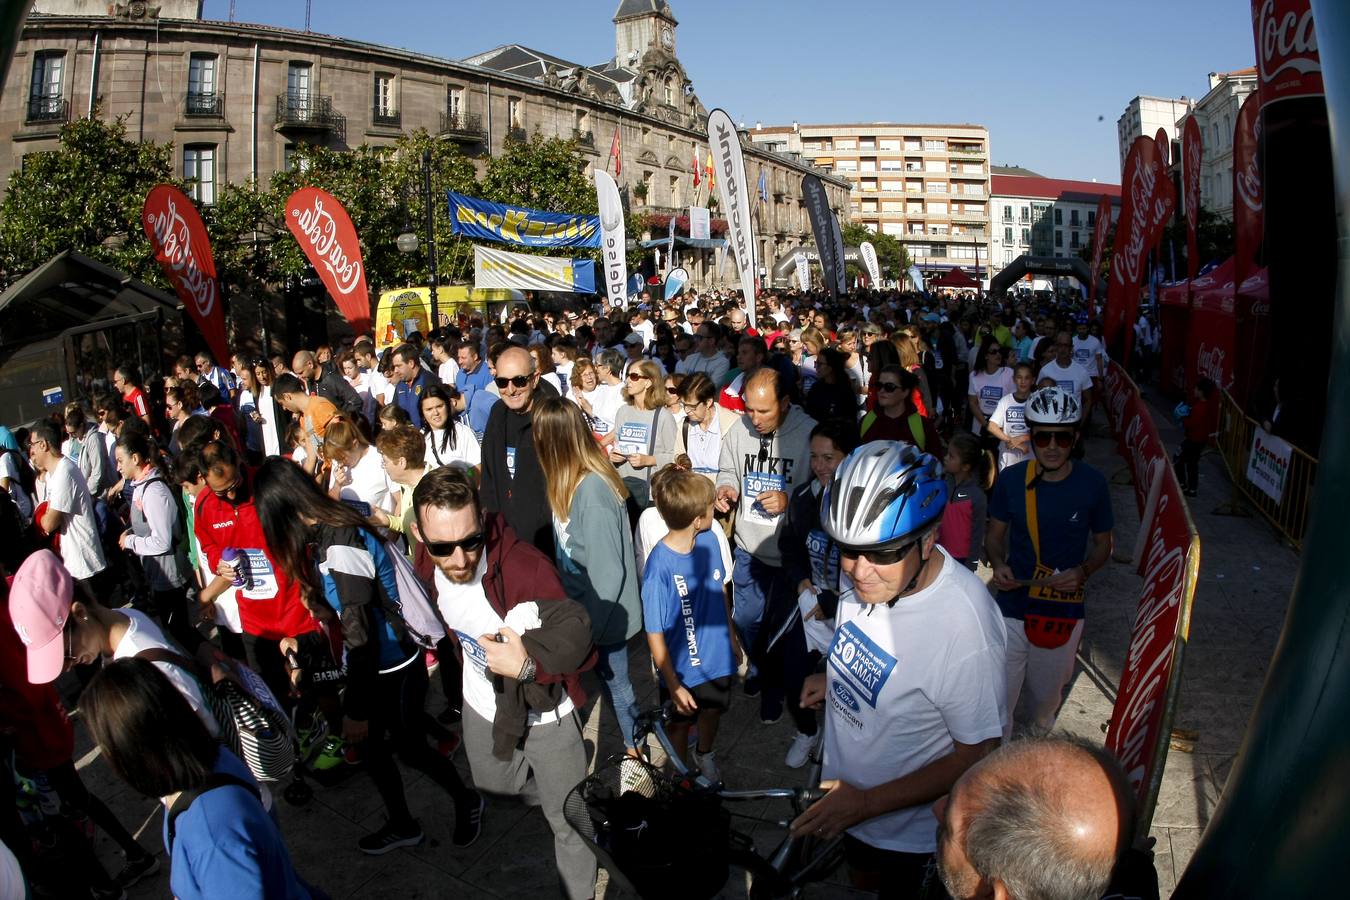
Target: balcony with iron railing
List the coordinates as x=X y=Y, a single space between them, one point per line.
x=309 y=111
x=386 y=118
x=517 y=133
x=463 y=127
x=204 y=104
x=46 y=109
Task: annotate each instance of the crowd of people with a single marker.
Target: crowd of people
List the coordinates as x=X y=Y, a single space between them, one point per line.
x=790 y=513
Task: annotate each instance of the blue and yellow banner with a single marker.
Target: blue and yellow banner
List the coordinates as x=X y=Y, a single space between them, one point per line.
x=488 y=221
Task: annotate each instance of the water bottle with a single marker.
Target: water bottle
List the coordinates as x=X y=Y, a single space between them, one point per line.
x=230 y=557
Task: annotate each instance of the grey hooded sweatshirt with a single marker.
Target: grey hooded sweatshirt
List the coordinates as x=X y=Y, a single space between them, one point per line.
x=751 y=463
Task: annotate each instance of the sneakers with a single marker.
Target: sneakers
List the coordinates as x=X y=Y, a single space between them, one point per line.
x=136 y=869
x=800 y=750
x=707 y=764
x=751 y=686
x=391 y=837
x=330 y=755
x=770 y=711
x=468 y=820
x=311 y=736
x=450 y=716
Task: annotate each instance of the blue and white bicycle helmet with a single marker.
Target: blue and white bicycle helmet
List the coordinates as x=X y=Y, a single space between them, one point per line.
x=884 y=495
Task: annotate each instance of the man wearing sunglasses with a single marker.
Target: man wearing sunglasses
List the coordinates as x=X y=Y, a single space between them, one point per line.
x=513 y=483
x=524 y=644
x=1049 y=529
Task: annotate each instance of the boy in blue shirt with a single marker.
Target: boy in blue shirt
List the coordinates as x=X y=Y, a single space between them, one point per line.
x=686 y=605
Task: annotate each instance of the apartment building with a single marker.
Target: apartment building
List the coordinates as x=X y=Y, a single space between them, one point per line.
x=1216 y=113
x=1143 y=117
x=1039 y=216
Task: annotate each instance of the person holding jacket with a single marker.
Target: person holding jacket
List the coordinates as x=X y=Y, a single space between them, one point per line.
x=329 y=549
x=763 y=461
x=594 y=545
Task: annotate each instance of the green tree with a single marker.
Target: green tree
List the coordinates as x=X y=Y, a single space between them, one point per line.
x=892 y=257
x=541 y=173
x=85 y=196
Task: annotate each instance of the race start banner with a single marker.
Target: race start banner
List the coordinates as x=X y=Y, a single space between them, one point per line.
x=1141 y=722
x=729 y=164
x=495 y=268
x=176 y=232
x=484 y=220
x=1268 y=463
x=614 y=253
x=325 y=232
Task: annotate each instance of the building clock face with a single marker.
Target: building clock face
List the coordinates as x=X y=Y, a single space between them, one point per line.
x=667 y=37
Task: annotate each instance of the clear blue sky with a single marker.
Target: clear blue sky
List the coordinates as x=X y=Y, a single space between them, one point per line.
x=1037 y=74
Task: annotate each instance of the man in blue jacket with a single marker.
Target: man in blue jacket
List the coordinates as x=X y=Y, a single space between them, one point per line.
x=412 y=382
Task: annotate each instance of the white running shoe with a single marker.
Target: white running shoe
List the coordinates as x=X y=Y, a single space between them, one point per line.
x=800 y=751
x=707 y=764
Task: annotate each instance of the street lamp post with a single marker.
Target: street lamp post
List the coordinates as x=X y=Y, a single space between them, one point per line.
x=407 y=241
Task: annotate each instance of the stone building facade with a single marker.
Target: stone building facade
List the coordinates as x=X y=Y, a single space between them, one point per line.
x=235 y=99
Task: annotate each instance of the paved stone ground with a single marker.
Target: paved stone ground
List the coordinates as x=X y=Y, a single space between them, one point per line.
x=1245 y=580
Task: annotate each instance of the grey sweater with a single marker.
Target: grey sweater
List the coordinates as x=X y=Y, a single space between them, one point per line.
x=597 y=563
x=784 y=464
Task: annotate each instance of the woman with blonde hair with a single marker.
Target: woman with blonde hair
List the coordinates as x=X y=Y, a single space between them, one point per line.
x=358 y=477
x=594 y=541
x=642 y=427
x=909 y=341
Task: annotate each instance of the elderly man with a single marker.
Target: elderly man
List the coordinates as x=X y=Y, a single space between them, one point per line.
x=513 y=482
x=333 y=388
x=1037 y=818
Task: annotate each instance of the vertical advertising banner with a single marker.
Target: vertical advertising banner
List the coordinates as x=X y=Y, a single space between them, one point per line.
x=1287 y=62
x=613 y=251
x=869 y=258
x=728 y=160
x=1192 y=153
x=325 y=232
x=818 y=208
x=803 y=269
x=177 y=233
x=1098 y=248
x=1164 y=146
x=700 y=223
x=837 y=239
x=1147 y=201
x=1248 y=195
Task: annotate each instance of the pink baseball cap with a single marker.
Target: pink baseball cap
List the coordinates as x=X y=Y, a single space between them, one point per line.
x=39 y=604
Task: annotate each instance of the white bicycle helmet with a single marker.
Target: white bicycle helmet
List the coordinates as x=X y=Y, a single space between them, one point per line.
x=1053 y=406
x=883 y=496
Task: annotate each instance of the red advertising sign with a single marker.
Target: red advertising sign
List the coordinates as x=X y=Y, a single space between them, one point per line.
x=1164 y=146
x=1248 y=195
x=326 y=234
x=1098 y=246
x=1287 y=62
x=182 y=248
x=1147 y=201
x=1141 y=721
x=1192 y=152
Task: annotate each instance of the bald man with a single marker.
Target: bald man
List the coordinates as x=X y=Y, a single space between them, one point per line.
x=331 y=387
x=513 y=483
x=1037 y=819
x=765 y=457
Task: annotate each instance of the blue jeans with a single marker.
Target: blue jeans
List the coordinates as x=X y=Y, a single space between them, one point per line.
x=612 y=667
x=751 y=583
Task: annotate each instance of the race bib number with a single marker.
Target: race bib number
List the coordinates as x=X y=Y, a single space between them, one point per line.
x=1015 y=419
x=633 y=438
x=754 y=484
x=473 y=653
x=511 y=461
x=1081 y=356
x=360 y=506
x=861 y=668
x=1051 y=614
x=824 y=562
x=1069 y=387
x=260 y=581
x=989 y=397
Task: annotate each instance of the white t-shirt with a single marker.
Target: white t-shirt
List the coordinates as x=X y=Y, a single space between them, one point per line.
x=271 y=431
x=1089 y=353
x=381 y=388
x=143 y=634
x=448 y=372
x=466 y=610
x=651 y=529
x=466 y=449
x=989 y=389
x=1072 y=378
x=80 y=548
x=605 y=401
x=1010 y=417
x=9 y=468
x=370 y=484
x=904 y=683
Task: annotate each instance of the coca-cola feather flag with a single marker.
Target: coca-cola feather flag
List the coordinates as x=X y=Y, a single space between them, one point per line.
x=182 y=248
x=326 y=234
x=1147 y=201
x=1098 y=247
x=1192 y=153
x=1248 y=196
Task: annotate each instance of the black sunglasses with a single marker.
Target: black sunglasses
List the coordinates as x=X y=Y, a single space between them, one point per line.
x=1063 y=439
x=518 y=381
x=447 y=548
x=878 y=557
x=887 y=386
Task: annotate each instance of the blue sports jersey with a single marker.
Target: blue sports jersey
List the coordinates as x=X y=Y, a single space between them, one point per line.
x=682 y=599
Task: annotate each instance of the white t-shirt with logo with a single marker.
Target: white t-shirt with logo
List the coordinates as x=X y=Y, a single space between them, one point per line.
x=1089 y=353
x=466 y=610
x=1072 y=378
x=989 y=389
x=143 y=634
x=1010 y=416
x=904 y=684
x=80 y=548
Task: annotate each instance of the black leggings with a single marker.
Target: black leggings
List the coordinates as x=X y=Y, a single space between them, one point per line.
x=1189 y=464
x=171 y=608
x=783 y=670
x=400 y=698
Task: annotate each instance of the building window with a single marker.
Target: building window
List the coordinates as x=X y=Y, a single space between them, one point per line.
x=454 y=101
x=1073 y=218
x=44 y=92
x=1092 y=218
x=201 y=95
x=297 y=82
x=382 y=102
x=1007 y=235
x=1059 y=237
x=513 y=117
x=1073 y=239
x=670 y=92
x=1026 y=235
x=199 y=167
x=675 y=199
x=1059 y=216
x=1007 y=213
x=1026 y=214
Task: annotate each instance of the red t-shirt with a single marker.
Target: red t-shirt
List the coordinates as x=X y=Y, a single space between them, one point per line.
x=135 y=398
x=1203 y=420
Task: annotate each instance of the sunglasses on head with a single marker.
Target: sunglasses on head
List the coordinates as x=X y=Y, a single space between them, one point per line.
x=447 y=548
x=878 y=557
x=1063 y=439
x=517 y=381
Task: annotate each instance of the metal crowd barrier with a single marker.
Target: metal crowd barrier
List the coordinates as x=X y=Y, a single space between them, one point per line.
x=1234 y=440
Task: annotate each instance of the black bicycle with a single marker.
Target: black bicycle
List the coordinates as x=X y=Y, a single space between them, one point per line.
x=663 y=835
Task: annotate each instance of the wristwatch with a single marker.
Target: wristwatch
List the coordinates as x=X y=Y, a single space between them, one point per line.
x=527 y=669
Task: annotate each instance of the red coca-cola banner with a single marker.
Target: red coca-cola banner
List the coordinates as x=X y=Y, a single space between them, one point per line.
x=1287 y=62
x=1164 y=146
x=1147 y=201
x=1248 y=195
x=1192 y=152
x=1141 y=721
x=1098 y=246
x=177 y=233
x=326 y=234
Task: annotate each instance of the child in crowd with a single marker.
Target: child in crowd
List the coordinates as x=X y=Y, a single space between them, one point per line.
x=969 y=476
x=686 y=605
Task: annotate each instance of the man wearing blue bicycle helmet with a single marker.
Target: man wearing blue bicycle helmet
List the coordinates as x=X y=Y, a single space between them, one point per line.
x=915 y=688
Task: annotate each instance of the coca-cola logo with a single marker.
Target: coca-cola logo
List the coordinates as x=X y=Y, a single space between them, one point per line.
x=1209 y=363
x=1247 y=174
x=1192 y=178
x=318 y=225
x=1151 y=207
x=173 y=239
x=1286 y=44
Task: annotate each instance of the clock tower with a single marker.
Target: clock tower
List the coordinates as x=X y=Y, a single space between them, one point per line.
x=641 y=26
